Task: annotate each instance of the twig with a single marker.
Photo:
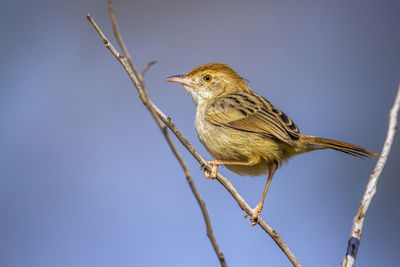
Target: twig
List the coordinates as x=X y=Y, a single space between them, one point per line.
x=190 y=181
x=121 y=43
x=370 y=190
x=224 y=181
x=164 y=130
x=200 y=201
x=148 y=66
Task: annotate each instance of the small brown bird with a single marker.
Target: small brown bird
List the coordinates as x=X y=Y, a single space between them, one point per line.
x=244 y=131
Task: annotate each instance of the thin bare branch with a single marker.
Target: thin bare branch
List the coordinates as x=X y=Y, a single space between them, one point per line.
x=163 y=129
x=197 y=195
x=120 y=41
x=200 y=200
x=148 y=66
x=370 y=190
x=224 y=181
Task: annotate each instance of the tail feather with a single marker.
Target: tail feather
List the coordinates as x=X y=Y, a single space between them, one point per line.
x=347 y=148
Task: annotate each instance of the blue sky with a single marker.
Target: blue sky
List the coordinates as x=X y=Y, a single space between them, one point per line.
x=86 y=178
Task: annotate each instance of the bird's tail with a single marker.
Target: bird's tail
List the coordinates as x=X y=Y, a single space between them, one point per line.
x=320 y=143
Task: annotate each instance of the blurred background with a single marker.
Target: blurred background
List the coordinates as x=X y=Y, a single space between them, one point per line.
x=86 y=178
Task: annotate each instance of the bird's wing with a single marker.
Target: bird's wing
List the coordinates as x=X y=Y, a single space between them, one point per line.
x=247 y=111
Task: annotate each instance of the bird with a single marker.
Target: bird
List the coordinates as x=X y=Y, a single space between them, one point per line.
x=245 y=132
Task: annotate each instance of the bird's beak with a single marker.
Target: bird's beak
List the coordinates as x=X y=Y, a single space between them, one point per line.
x=183 y=79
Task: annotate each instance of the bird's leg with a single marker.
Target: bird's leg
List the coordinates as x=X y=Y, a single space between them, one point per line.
x=215 y=163
x=258 y=208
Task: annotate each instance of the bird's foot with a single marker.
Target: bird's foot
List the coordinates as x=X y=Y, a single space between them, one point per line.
x=256 y=214
x=214 y=165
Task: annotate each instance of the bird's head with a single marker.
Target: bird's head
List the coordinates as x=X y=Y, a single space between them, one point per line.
x=209 y=81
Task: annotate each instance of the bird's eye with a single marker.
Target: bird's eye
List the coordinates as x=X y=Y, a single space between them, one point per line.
x=207 y=78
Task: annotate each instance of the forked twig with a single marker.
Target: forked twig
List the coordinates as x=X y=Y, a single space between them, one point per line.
x=370 y=190
x=135 y=78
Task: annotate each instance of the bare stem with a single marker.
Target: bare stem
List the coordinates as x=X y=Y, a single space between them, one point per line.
x=370 y=190
x=144 y=97
x=121 y=43
x=168 y=122
x=148 y=66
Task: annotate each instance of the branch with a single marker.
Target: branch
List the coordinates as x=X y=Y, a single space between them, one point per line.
x=190 y=181
x=163 y=129
x=120 y=41
x=148 y=66
x=135 y=78
x=370 y=190
x=200 y=201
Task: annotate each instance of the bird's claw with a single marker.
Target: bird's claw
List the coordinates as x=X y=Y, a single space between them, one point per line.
x=214 y=170
x=256 y=214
